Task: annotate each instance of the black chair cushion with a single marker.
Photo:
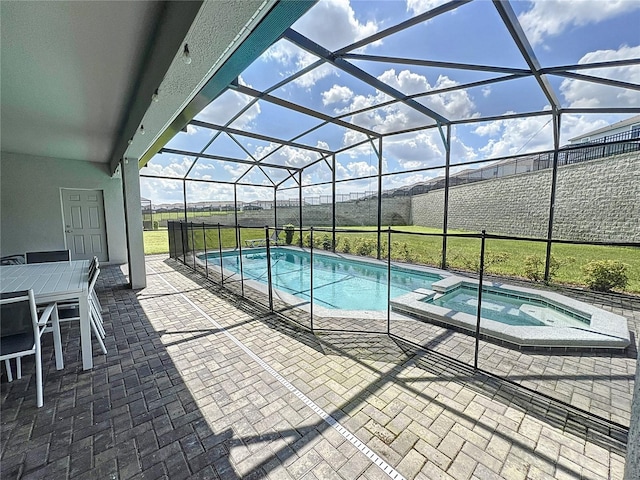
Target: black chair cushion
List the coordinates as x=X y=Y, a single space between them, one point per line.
x=16 y=343
x=69 y=311
x=15 y=317
x=50 y=256
x=12 y=260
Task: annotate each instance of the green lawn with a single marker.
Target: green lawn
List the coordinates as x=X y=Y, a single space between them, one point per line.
x=503 y=257
x=156 y=241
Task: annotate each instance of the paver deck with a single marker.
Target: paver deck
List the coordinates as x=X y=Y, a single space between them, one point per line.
x=198 y=383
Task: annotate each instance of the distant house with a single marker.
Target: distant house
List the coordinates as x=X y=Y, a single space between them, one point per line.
x=623 y=130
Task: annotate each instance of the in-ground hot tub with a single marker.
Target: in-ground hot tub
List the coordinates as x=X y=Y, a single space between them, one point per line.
x=516 y=315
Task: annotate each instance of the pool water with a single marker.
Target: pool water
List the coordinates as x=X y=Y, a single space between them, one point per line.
x=507 y=309
x=338 y=283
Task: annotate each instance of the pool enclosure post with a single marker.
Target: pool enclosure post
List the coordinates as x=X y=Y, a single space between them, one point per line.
x=240 y=258
x=193 y=245
x=445 y=215
x=183 y=236
x=266 y=236
x=275 y=208
x=552 y=199
x=311 y=276
x=379 y=203
x=333 y=203
x=389 y=282
x=300 y=204
x=206 y=260
x=184 y=199
x=220 y=252
x=479 y=314
x=235 y=212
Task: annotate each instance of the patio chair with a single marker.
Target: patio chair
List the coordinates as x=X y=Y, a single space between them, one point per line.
x=70 y=312
x=21 y=330
x=48 y=256
x=262 y=242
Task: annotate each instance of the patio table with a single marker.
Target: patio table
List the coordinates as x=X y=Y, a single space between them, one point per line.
x=55 y=282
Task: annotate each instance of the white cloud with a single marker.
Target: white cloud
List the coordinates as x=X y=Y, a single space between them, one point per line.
x=421 y=6
x=522 y=135
x=514 y=136
x=337 y=94
x=361 y=169
x=337 y=27
x=398 y=116
x=309 y=79
x=586 y=94
x=175 y=167
x=287 y=155
x=547 y=18
x=415 y=150
x=575 y=125
x=399 y=181
x=230 y=102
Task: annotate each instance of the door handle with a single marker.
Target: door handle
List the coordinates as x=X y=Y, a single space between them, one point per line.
x=68 y=231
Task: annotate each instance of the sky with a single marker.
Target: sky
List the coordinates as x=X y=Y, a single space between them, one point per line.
x=561 y=32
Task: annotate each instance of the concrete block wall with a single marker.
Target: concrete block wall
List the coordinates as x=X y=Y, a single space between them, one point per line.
x=597 y=200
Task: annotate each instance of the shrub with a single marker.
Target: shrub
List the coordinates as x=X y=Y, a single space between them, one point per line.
x=534 y=266
x=344 y=245
x=364 y=246
x=288 y=233
x=155 y=224
x=326 y=242
x=490 y=259
x=306 y=240
x=401 y=252
x=605 y=275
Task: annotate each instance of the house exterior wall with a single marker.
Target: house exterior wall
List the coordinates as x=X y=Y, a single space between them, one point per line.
x=627 y=127
x=595 y=201
x=31 y=207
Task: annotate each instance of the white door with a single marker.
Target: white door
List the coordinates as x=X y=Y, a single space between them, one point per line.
x=84 y=224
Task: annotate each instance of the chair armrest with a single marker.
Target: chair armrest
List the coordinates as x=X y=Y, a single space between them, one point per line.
x=44 y=317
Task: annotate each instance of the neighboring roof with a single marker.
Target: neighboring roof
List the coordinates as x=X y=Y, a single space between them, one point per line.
x=613 y=126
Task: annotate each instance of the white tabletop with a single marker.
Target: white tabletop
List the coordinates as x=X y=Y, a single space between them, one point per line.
x=49 y=281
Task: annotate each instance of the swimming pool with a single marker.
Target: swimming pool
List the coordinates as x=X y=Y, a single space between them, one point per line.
x=338 y=282
x=354 y=288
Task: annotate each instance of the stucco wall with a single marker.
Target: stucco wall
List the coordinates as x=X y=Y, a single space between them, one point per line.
x=31 y=206
x=596 y=201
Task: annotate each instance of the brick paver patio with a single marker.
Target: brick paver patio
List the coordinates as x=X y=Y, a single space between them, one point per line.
x=198 y=383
